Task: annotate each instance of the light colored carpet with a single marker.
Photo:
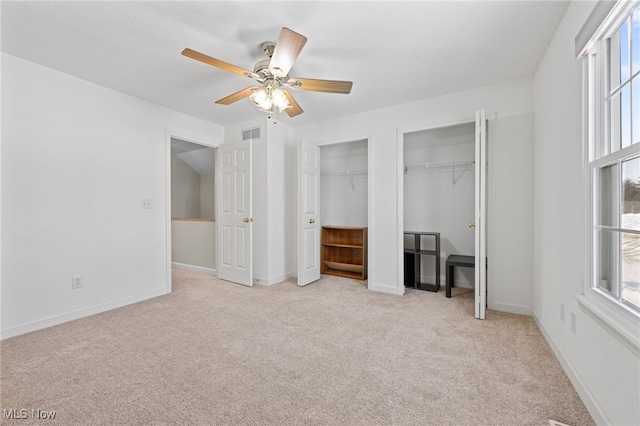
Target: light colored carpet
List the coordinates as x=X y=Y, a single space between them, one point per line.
x=330 y=353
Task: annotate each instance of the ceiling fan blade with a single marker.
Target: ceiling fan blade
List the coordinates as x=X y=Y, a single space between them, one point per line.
x=216 y=62
x=288 y=47
x=331 y=86
x=241 y=94
x=295 y=108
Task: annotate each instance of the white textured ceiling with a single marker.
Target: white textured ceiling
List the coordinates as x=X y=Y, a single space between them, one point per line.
x=394 y=52
x=200 y=158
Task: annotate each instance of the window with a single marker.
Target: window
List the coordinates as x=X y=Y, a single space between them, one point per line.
x=614 y=159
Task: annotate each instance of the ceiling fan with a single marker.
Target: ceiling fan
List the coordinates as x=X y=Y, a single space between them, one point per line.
x=273 y=76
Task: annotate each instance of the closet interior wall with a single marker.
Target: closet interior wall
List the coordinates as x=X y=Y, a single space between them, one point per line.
x=439 y=194
x=344 y=184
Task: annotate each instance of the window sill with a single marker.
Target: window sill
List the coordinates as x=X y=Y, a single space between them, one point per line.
x=623 y=325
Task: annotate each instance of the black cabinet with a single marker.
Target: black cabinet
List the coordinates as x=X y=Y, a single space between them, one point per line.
x=413 y=256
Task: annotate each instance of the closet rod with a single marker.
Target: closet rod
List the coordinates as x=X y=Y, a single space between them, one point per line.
x=345 y=172
x=348 y=173
x=434 y=165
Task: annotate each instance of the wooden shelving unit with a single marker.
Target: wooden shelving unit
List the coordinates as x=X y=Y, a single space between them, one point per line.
x=344 y=251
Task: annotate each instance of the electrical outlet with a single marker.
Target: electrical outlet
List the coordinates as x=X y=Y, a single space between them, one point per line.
x=76 y=281
x=145 y=203
x=573 y=323
x=562 y=312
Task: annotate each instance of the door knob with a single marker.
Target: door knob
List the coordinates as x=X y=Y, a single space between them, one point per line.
x=247 y=219
x=472 y=225
x=312 y=220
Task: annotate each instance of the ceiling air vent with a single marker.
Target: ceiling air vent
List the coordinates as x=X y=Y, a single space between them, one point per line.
x=251 y=134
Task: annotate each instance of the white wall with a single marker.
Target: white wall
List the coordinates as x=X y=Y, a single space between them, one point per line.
x=340 y=203
x=510 y=214
x=77 y=159
x=605 y=372
x=193 y=243
x=510 y=106
x=207 y=196
x=282 y=220
x=185 y=189
x=442 y=199
x=192 y=179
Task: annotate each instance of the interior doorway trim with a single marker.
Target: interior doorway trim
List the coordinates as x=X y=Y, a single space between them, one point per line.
x=401 y=132
x=186 y=136
x=370 y=182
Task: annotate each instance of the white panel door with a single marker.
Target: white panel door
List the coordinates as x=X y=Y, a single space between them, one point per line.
x=309 y=226
x=480 y=206
x=235 y=242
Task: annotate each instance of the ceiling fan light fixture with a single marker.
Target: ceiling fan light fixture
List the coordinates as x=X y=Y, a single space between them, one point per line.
x=279 y=99
x=265 y=98
x=260 y=98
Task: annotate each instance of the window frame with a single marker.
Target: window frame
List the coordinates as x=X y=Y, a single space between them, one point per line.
x=618 y=316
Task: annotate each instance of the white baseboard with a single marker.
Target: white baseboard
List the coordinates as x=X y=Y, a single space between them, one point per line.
x=511 y=308
x=371 y=286
x=202 y=269
x=386 y=289
x=443 y=281
x=459 y=284
x=271 y=281
x=599 y=417
x=77 y=314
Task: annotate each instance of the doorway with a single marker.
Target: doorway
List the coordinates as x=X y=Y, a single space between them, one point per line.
x=443 y=189
x=334 y=193
x=192 y=206
x=439 y=197
x=344 y=184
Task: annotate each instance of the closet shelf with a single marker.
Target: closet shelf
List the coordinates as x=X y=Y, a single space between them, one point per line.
x=344 y=251
x=464 y=165
x=345 y=172
x=345 y=267
x=354 y=246
x=438 y=165
x=348 y=173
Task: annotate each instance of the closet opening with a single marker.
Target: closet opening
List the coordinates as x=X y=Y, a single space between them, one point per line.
x=344 y=209
x=192 y=208
x=439 y=208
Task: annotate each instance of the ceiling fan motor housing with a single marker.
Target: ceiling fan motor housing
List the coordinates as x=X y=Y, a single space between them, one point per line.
x=268 y=47
x=262 y=68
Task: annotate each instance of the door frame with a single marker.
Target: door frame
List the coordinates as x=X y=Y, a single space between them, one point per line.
x=186 y=136
x=370 y=214
x=400 y=187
